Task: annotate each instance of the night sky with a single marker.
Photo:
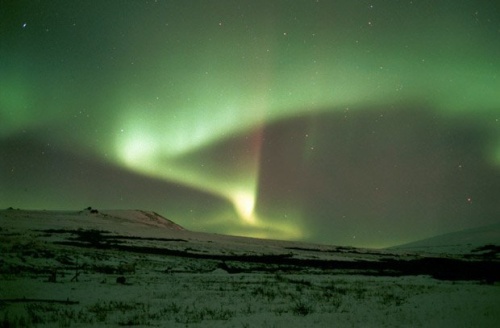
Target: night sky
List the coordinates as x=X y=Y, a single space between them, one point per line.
x=363 y=123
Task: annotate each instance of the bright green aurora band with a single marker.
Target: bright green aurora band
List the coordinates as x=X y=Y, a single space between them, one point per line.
x=198 y=93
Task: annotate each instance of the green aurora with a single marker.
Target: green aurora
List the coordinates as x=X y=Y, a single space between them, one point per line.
x=365 y=123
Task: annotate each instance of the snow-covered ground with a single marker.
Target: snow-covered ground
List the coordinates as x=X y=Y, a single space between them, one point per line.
x=135 y=268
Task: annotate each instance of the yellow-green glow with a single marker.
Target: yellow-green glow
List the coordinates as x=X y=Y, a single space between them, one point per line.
x=201 y=95
x=265 y=227
x=155 y=136
x=152 y=156
x=244 y=205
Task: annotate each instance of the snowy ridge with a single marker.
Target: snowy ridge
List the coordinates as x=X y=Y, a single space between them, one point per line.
x=148 y=224
x=125 y=222
x=460 y=242
x=147 y=218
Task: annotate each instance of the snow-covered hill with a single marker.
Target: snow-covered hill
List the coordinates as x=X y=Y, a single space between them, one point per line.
x=149 y=225
x=125 y=222
x=460 y=242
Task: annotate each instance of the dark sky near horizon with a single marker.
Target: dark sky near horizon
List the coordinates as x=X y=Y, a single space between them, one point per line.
x=363 y=123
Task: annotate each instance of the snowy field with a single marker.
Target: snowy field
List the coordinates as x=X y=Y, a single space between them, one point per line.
x=135 y=268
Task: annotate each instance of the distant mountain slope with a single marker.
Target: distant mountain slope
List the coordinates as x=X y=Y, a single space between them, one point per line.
x=143 y=217
x=133 y=233
x=459 y=242
x=126 y=222
x=150 y=227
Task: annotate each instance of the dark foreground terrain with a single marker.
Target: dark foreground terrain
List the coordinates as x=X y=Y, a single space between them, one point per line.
x=126 y=268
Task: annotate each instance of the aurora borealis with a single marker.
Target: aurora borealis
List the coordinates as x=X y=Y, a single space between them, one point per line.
x=364 y=123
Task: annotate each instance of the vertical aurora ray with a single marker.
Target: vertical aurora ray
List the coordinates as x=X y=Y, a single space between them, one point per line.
x=225 y=168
